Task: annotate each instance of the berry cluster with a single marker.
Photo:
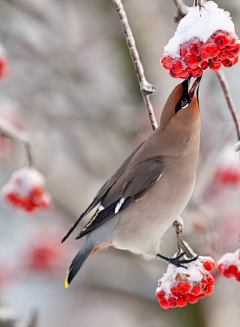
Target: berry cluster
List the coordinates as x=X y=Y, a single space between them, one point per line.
x=229 y=175
x=26 y=190
x=44 y=255
x=229 y=265
x=179 y=285
x=194 y=56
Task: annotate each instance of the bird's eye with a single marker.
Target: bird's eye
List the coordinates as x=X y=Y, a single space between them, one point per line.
x=184 y=103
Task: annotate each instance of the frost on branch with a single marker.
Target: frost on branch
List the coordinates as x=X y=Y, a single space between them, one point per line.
x=204 y=39
x=229 y=265
x=179 y=285
x=26 y=190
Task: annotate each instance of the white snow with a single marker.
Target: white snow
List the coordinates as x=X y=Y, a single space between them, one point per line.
x=23 y=181
x=229 y=259
x=227 y=158
x=202 y=24
x=194 y=272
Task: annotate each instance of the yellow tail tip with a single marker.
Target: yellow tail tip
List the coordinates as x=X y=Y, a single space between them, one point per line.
x=66 y=282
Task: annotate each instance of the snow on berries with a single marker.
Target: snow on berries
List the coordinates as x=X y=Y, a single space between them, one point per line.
x=180 y=285
x=229 y=265
x=227 y=170
x=26 y=190
x=204 y=39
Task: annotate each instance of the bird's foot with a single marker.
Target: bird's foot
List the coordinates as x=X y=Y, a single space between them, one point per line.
x=177 y=261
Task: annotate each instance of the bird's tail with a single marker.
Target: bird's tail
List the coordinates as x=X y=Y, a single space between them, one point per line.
x=77 y=263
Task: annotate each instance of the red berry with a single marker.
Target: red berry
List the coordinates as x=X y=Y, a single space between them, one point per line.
x=221 y=41
x=183 y=50
x=209 y=290
x=160 y=295
x=164 y=304
x=183 y=287
x=181 y=302
x=215 y=65
x=220 y=267
x=204 y=64
x=191 y=61
x=172 y=302
x=234 y=49
x=227 y=63
x=177 y=66
x=166 y=62
x=173 y=74
x=196 y=290
x=196 y=72
x=237 y=276
x=3 y=67
x=175 y=291
x=209 y=265
x=184 y=74
x=195 y=47
x=193 y=299
x=211 y=49
x=232 y=270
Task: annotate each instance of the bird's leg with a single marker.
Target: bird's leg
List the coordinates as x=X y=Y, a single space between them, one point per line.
x=181 y=257
x=178 y=225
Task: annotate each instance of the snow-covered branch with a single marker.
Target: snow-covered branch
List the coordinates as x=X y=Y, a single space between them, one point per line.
x=9 y=131
x=146 y=88
x=231 y=106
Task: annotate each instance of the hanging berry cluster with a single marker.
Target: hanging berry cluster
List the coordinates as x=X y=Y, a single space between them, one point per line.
x=180 y=285
x=203 y=40
x=195 y=55
x=26 y=190
x=229 y=265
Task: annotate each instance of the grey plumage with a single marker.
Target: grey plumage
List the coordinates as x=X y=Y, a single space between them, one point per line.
x=151 y=188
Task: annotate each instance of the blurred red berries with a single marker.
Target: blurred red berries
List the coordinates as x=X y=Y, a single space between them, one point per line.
x=229 y=265
x=194 y=56
x=180 y=285
x=26 y=190
x=44 y=255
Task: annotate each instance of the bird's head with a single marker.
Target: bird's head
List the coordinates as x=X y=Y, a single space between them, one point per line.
x=182 y=107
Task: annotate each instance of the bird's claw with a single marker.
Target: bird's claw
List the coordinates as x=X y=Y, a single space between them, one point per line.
x=176 y=261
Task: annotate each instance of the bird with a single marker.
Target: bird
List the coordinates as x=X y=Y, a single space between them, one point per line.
x=151 y=189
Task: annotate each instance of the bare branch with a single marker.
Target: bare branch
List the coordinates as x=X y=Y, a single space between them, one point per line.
x=231 y=106
x=145 y=87
x=9 y=131
x=182 y=10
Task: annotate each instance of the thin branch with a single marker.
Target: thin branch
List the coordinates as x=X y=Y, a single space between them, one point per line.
x=182 y=10
x=9 y=131
x=145 y=87
x=231 y=106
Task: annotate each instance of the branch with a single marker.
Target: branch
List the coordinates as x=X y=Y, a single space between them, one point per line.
x=9 y=131
x=182 y=10
x=231 y=106
x=145 y=87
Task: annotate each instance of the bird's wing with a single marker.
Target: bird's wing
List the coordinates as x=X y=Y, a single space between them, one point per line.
x=131 y=186
x=103 y=191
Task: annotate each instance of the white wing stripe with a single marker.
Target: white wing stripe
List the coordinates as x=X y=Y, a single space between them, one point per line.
x=119 y=204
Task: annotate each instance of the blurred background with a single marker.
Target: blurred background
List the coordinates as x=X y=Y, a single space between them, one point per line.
x=72 y=86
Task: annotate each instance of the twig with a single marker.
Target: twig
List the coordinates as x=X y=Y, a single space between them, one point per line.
x=231 y=106
x=182 y=10
x=145 y=87
x=9 y=131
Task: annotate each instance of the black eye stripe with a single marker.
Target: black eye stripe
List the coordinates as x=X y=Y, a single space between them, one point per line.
x=184 y=100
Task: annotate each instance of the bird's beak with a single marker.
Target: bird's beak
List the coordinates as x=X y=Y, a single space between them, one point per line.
x=194 y=88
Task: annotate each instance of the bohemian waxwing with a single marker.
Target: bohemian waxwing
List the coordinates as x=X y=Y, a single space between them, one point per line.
x=151 y=188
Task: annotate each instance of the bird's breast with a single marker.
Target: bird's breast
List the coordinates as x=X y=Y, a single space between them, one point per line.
x=142 y=225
